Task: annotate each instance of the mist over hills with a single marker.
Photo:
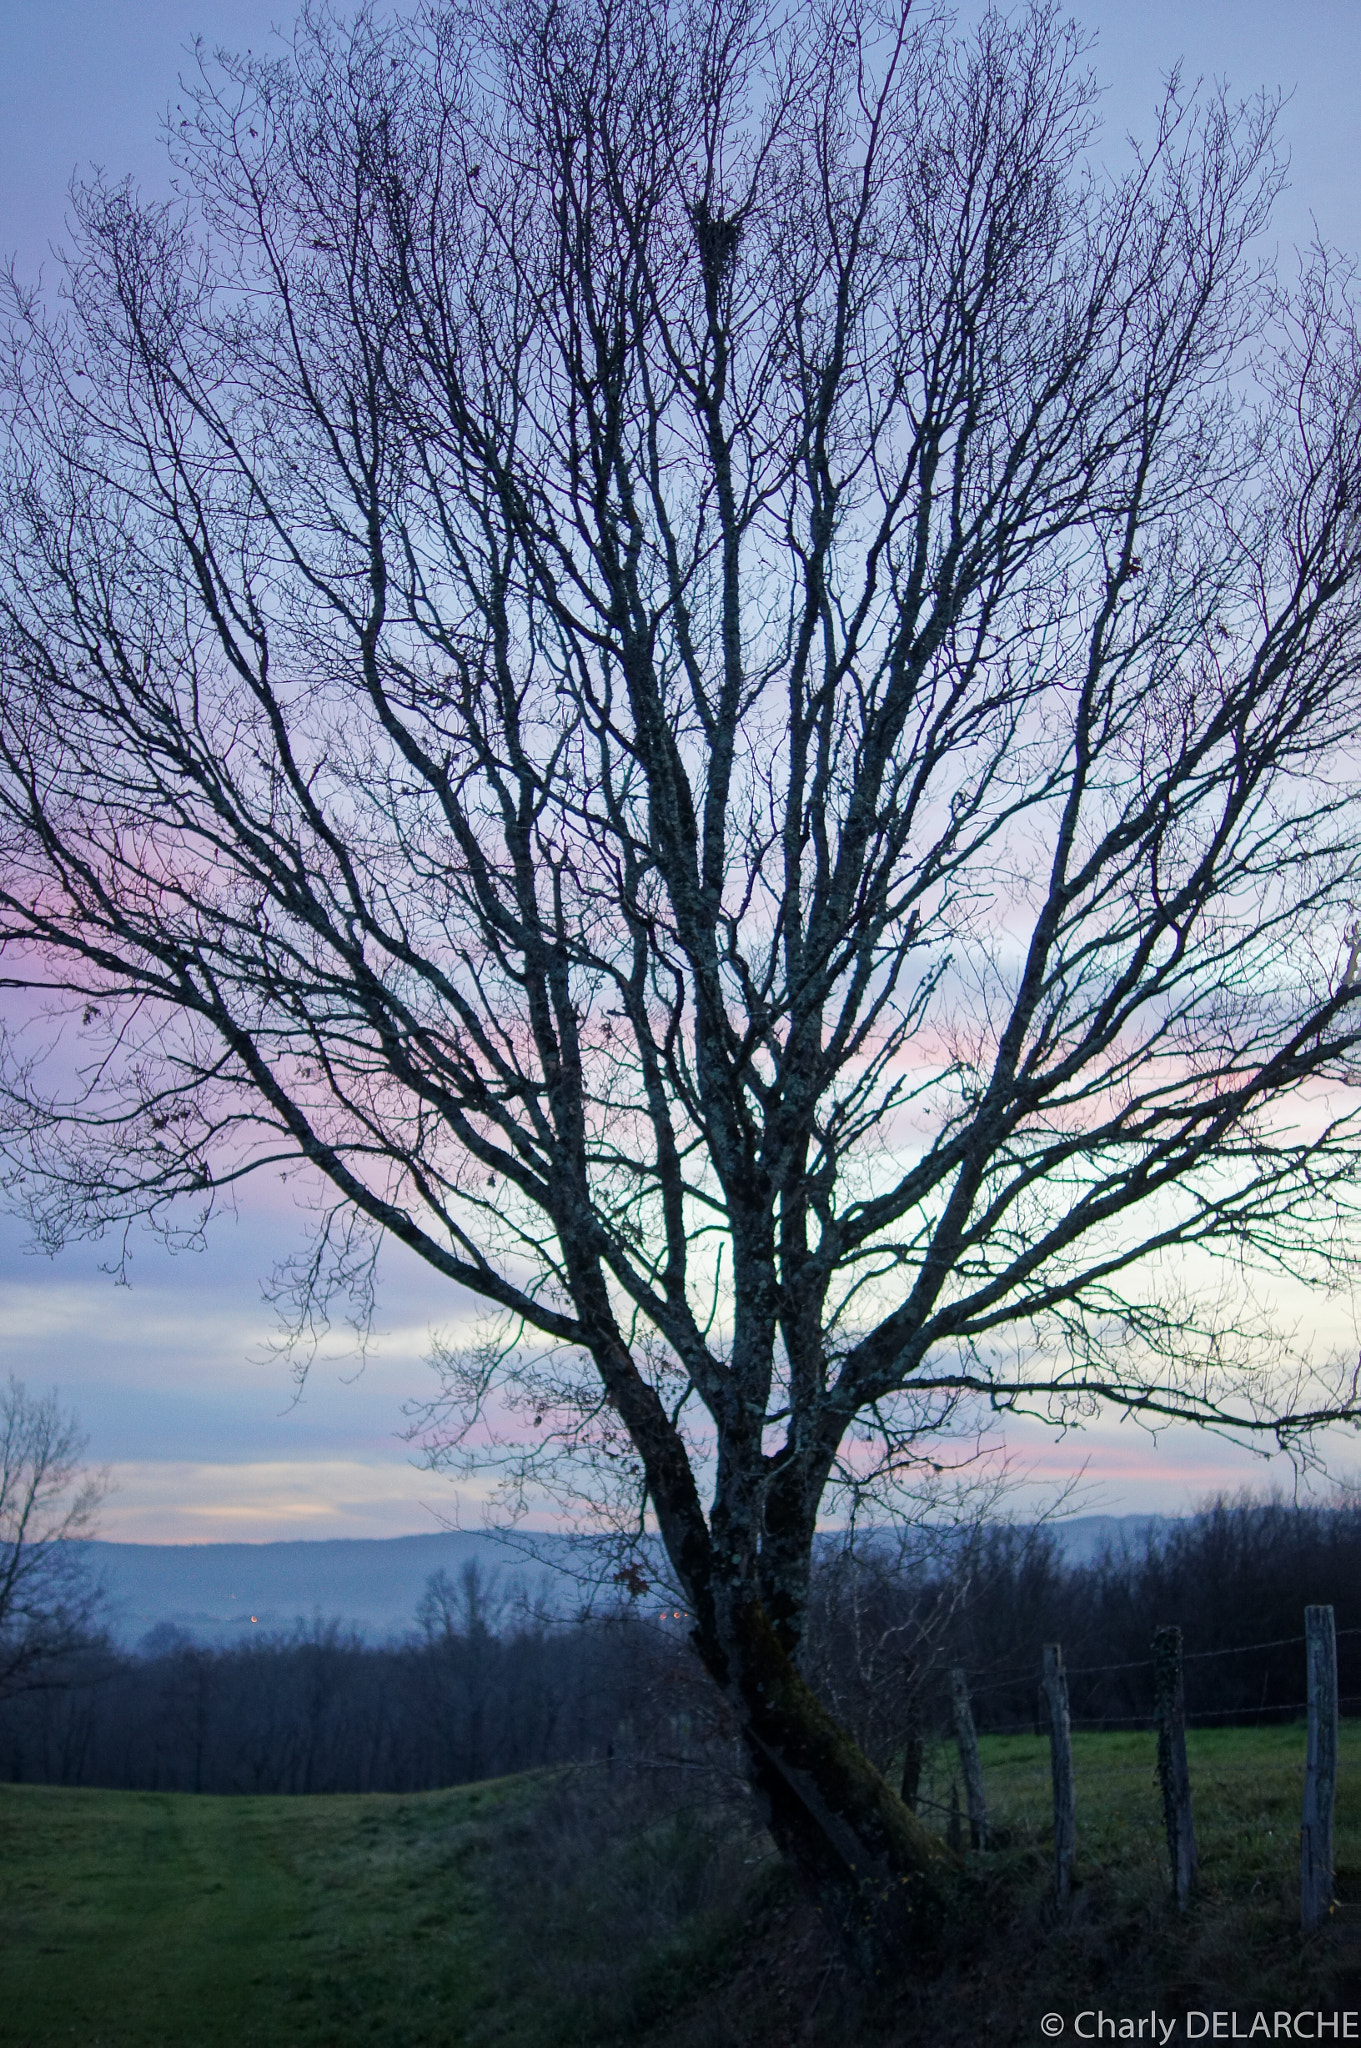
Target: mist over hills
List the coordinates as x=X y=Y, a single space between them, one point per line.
x=224 y=1592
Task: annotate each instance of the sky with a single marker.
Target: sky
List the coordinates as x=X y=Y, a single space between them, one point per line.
x=172 y=1376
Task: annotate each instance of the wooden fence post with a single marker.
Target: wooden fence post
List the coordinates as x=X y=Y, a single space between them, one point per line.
x=1173 y=1775
x=1320 y=1769
x=954 y=1832
x=912 y=1754
x=967 y=1738
x=1061 y=1759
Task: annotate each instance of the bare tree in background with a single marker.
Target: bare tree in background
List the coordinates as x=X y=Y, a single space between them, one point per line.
x=722 y=684
x=49 y=1601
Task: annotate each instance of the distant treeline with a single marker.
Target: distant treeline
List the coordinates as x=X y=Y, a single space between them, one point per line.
x=1235 y=1578
x=485 y=1687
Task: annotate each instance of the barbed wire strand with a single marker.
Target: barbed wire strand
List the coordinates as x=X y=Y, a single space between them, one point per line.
x=1022 y=1675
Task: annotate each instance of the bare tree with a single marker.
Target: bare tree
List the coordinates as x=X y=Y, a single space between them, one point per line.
x=49 y=1600
x=721 y=682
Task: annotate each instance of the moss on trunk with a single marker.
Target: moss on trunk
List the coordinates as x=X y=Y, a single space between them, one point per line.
x=879 y=1876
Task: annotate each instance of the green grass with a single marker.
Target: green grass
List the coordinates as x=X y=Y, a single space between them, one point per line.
x=1122 y=1945
x=147 y=1918
x=561 y=1913
x=1247 y=1786
x=529 y=1913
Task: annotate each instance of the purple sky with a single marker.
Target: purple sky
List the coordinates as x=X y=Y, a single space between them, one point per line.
x=171 y=1376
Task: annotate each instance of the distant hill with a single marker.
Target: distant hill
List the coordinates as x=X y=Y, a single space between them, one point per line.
x=1086 y=1536
x=222 y=1592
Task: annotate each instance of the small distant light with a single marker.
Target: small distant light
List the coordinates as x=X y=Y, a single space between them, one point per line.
x=252 y=1617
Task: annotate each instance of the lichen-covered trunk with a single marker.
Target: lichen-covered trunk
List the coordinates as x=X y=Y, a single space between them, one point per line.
x=880 y=1878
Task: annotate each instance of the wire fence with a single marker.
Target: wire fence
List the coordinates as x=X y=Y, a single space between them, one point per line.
x=986 y=1685
x=1322 y=1704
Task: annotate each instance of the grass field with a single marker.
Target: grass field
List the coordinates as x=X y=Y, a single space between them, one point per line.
x=542 y=1913
x=149 y=1918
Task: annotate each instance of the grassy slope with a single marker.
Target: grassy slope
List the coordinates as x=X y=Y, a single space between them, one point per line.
x=144 y=1918
x=493 y=1915
x=1247 y=1785
x=1241 y=1944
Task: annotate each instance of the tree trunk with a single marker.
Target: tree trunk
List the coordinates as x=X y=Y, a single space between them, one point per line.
x=878 y=1875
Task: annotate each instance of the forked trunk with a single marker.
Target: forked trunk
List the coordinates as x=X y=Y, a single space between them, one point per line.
x=879 y=1877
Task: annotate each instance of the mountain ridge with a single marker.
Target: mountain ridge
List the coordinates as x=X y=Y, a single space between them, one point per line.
x=224 y=1592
